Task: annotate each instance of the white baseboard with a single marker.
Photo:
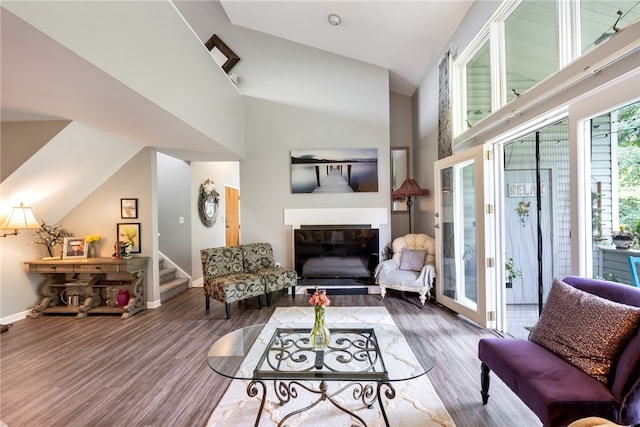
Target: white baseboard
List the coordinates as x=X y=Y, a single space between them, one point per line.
x=15 y=317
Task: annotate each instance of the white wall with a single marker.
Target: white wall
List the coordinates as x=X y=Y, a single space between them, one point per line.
x=221 y=173
x=273 y=131
x=174 y=203
x=153 y=53
x=297 y=97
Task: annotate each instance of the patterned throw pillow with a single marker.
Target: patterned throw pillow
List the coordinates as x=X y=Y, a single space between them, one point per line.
x=584 y=329
x=412 y=260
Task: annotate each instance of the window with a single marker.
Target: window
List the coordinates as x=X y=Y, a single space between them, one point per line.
x=530 y=46
x=598 y=19
x=519 y=47
x=478 y=86
x=615 y=187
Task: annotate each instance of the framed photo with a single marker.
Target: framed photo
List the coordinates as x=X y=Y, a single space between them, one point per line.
x=351 y=170
x=74 y=247
x=221 y=53
x=130 y=232
x=128 y=208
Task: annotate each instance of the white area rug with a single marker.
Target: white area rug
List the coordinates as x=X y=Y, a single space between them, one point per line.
x=416 y=403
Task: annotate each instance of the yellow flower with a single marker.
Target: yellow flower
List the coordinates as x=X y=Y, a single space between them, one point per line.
x=92 y=238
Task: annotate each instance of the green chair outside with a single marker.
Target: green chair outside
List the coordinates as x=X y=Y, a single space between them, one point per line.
x=634 y=266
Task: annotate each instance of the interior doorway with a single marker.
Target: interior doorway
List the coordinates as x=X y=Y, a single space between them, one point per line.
x=232 y=216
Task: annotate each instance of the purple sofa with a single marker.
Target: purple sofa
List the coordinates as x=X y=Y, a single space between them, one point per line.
x=556 y=391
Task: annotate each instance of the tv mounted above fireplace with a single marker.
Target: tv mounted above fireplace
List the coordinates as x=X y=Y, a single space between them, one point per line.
x=336 y=251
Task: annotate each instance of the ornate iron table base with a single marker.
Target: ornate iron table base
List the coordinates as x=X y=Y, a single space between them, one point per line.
x=286 y=391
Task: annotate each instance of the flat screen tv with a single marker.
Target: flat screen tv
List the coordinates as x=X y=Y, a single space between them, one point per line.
x=336 y=252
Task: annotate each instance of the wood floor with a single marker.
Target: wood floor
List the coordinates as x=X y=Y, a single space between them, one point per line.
x=151 y=369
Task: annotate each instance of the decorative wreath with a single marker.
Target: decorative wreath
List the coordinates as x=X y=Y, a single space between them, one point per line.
x=208 y=199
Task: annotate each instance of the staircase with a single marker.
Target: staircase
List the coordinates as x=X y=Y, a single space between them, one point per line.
x=170 y=282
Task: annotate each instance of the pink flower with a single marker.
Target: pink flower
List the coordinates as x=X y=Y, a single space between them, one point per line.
x=319 y=298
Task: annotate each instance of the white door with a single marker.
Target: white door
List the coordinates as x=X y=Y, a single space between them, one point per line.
x=465 y=214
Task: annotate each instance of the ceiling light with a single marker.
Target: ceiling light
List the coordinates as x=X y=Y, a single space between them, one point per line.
x=334 y=19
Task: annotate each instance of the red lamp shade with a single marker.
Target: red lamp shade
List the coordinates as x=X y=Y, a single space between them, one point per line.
x=409 y=189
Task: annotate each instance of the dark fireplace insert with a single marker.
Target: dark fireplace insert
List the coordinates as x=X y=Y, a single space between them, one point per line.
x=337 y=252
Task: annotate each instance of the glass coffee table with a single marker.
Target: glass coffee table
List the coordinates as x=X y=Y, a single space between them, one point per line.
x=368 y=358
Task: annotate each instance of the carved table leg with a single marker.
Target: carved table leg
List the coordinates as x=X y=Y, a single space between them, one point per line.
x=136 y=301
x=92 y=299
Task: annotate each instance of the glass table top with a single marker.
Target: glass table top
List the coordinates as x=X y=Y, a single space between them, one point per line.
x=377 y=352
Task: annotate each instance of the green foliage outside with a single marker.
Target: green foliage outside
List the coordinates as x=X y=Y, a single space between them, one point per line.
x=629 y=168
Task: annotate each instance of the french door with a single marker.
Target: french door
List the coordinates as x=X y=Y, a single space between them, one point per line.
x=465 y=217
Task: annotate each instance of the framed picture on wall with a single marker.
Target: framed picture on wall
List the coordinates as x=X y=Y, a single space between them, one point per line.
x=128 y=208
x=353 y=170
x=130 y=232
x=74 y=247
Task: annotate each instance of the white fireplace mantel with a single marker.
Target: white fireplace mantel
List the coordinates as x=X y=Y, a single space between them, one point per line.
x=336 y=216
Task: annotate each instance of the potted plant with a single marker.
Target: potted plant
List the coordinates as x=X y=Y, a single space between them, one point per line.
x=512 y=272
x=622 y=239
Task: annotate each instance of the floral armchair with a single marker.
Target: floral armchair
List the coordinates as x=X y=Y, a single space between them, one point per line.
x=236 y=273
x=411 y=267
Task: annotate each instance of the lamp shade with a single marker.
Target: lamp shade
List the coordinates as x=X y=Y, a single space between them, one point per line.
x=21 y=218
x=409 y=188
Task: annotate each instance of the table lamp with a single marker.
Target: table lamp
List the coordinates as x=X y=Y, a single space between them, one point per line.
x=21 y=218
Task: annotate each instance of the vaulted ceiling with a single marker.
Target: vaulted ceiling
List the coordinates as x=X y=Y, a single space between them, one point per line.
x=406 y=37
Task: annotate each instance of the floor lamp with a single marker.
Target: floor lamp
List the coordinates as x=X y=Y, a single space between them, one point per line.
x=407 y=192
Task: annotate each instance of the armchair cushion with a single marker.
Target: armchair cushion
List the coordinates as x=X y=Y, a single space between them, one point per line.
x=415 y=241
x=412 y=260
x=584 y=329
x=257 y=256
x=221 y=261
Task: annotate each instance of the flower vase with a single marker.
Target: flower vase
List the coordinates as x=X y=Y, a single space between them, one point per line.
x=320 y=336
x=122 y=298
x=91 y=252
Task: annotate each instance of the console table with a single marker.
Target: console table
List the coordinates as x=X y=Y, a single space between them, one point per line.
x=94 y=282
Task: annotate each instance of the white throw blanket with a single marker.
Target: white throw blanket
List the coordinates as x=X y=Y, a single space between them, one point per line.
x=416 y=403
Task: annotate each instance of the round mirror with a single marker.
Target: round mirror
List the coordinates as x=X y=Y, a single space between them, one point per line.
x=210 y=207
x=208 y=203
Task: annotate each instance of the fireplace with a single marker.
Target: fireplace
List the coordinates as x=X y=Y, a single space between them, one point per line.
x=345 y=245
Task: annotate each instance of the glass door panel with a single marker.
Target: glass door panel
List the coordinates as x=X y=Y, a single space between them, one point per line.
x=461 y=224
